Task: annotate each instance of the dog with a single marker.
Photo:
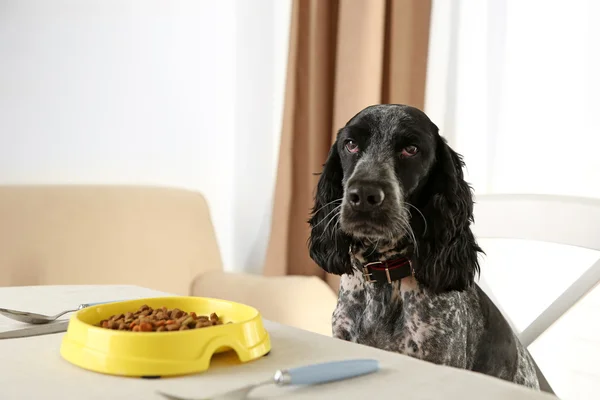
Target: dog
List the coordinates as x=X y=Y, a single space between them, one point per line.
x=392 y=215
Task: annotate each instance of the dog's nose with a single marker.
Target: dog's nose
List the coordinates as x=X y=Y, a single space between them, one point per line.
x=365 y=197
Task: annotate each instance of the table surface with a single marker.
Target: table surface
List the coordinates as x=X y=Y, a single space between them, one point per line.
x=32 y=368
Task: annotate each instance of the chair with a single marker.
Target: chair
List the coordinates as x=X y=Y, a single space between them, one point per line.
x=564 y=220
x=155 y=237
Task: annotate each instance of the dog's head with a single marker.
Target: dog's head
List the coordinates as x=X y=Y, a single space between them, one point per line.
x=391 y=178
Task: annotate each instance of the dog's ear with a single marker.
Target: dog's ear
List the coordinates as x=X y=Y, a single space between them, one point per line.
x=447 y=252
x=328 y=245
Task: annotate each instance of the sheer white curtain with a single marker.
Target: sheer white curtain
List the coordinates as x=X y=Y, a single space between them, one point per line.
x=513 y=85
x=262 y=35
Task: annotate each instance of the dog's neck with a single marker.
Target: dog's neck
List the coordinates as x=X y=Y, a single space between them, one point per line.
x=365 y=251
x=377 y=297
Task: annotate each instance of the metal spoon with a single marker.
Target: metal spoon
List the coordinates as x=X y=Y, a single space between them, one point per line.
x=307 y=375
x=33 y=318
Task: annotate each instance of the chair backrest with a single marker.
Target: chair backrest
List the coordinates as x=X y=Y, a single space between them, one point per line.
x=159 y=238
x=573 y=221
x=564 y=220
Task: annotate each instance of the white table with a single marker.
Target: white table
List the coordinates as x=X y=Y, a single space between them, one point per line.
x=32 y=368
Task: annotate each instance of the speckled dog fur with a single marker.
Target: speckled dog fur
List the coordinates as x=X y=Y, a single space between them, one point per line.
x=440 y=315
x=447 y=328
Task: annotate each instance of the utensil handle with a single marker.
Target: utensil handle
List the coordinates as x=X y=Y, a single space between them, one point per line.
x=327 y=372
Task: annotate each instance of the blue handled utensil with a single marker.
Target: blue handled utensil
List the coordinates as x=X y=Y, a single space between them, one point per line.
x=33 y=318
x=306 y=375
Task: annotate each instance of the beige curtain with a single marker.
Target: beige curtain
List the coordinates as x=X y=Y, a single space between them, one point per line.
x=344 y=55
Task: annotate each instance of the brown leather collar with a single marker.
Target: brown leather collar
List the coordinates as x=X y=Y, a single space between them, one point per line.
x=389 y=270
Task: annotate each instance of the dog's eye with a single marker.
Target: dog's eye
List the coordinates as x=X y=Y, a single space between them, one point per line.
x=409 y=151
x=352 y=146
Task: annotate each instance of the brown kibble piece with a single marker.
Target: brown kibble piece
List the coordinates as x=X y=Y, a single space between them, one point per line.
x=146 y=327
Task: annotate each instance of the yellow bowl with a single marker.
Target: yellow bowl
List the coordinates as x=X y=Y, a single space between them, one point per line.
x=153 y=354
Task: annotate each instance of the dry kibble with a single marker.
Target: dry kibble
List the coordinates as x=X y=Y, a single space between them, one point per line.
x=147 y=319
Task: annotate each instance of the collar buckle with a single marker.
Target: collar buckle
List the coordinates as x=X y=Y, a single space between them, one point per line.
x=368 y=275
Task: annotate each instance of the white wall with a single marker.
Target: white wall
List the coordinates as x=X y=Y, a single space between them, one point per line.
x=178 y=93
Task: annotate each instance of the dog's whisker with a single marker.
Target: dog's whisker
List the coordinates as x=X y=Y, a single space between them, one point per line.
x=335 y=228
x=409 y=230
x=330 y=212
x=414 y=240
x=325 y=205
x=405 y=226
x=419 y=211
x=374 y=247
x=329 y=223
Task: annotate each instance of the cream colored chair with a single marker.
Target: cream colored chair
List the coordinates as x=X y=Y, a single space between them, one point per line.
x=160 y=238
